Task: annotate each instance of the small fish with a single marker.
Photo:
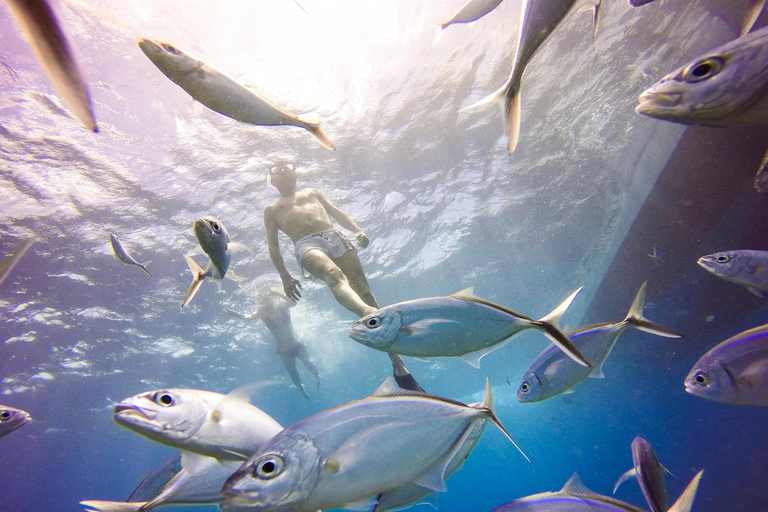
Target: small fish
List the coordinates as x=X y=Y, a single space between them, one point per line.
x=575 y=497
x=746 y=268
x=753 y=12
x=735 y=371
x=122 y=254
x=221 y=93
x=197 y=483
x=649 y=473
x=11 y=419
x=761 y=178
x=10 y=261
x=221 y=426
x=215 y=242
x=341 y=457
x=471 y=11
x=538 y=19
x=552 y=374
x=725 y=87
x=53 y=51
x=461 y=325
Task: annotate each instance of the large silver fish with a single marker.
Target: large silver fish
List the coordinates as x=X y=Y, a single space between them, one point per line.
x=55 y=55
x=214 y=240
x=221 y=93
x=538 y=19
x=197 y=483
x=552 y=374
x=471 y=11
x=753 y=12
x=212 y=424
x=575 y=497
x=649 y=473
x=746 y=268
x=735 y=371
x=343 y=456
x=11 y=260
x=11 y=419
x=122 y=254
x=461 y=325
x=724 y=87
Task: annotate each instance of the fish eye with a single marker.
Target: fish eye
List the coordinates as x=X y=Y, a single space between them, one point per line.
x=215 y=227
x=5 y=415
x=701 y=378
x=171 y=48
x=703 y=69
x=524 y=387
x=723 y=258
x=164 y=399
x=268 y=468
x=373 y=322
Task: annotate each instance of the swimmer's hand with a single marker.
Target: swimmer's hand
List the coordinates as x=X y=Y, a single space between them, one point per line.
x=362 y=239
x=291 y=287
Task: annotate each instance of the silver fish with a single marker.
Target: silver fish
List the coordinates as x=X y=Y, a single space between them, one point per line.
x=221 y=93
x=343 y=456
x=214 y=240
x=575 y=497
x=10 y=261
x=725 y=87
x=460 y=325
x=552 y=374
x=753 y=12
x=649 y=473
x=212 y=424
x=154 y=481
x=53 y=51
x=471 y=11
x=746 y=268
x=122 y=254
x=735 y=371
x=11 y=419
x=538 y=19
x=197 y=483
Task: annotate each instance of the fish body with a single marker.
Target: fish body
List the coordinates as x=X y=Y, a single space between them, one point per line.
x=197 y=483
x=12 y=419
x=221 y=426
x=746 y=268
x=575 y=497
x=460 y=325
x=53 y=51
x=538 y=19
x=724 y=87
x=735 y=371
x=649 y=473
x=552 y=374
x=154 y=481
x=221 y=93
x=471 y=11
x=343 y=456
x=753 y=12
x=11 y=260
x=122 y=254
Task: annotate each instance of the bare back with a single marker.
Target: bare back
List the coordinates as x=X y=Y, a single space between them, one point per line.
x=300 y=215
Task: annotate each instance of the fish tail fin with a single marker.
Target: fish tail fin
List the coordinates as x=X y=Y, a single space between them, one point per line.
x=636 y=319
x=548 y=325
x=623 y=478
x=753 y=12
x=594 y=7
x=512 y=116
x=440 y=29
x=197 y=274
x=113 y=506
x=144 y=267
x=487 y=406
x=495 y=97
x=314 y=129
x=685 y=501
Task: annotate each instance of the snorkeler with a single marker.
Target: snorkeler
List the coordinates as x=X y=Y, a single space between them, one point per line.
x=273 y=310
x=322 y=250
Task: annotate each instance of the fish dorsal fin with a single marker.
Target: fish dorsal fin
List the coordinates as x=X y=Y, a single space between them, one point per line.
x=468 y=294
x=575 y=487
x=390 y=388
x=239 y=394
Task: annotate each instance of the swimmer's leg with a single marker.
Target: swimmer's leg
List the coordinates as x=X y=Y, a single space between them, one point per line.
x=320 y=265
x=289 y=361
x=303 y=355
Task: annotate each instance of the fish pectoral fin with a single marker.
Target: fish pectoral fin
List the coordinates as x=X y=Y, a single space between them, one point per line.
x=422 y=359
x=473 y=358
x=434 y=479
x=112 y=506
x=422 y=326
x=755 y=375
x=238 y=247
x=757 y=292
x=196 y=464
x=623 y=478
x=360 y=505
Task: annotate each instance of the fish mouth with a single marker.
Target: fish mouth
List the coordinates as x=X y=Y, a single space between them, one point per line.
x=653 y=100
x=236 y=500
x=355 y=333
x=704 y=263
x=124 y=412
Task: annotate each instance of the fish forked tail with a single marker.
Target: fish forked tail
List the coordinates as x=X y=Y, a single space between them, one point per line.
x=636 y=319
x=755 y=8
x=440 y=29
x=314 y=129
x=595 y=7
x=487 y=406
x=685 y=501
x=113 y=506
x=197 y=281
x=143 y=267
x=548 y=325
x=508 y=96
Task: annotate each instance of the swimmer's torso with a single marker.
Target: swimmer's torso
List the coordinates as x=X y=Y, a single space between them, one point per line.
x=301 y=215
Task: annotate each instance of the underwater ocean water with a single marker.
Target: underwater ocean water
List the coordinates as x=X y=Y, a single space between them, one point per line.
x=594 y=196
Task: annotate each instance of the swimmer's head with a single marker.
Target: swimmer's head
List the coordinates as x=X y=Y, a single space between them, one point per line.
x=282 y=176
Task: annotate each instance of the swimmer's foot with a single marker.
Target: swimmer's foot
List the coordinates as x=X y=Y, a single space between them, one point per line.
x=407 y=382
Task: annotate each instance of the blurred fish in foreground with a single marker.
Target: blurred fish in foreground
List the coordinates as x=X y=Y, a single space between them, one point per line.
x=124 y=256
x=11 y=419
x=649 y=473
x=53 y=51
x=753 y=12
x=471 y=11
x=153 y=482
x=10 y=261
x=735 y=371
x=575 y=497
x=761 y=178
x=538 y=19
x=221 y=93
x=746 y=268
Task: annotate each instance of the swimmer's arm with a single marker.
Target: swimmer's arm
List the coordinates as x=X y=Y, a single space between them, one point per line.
x=290 y=285
x=345 y=220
